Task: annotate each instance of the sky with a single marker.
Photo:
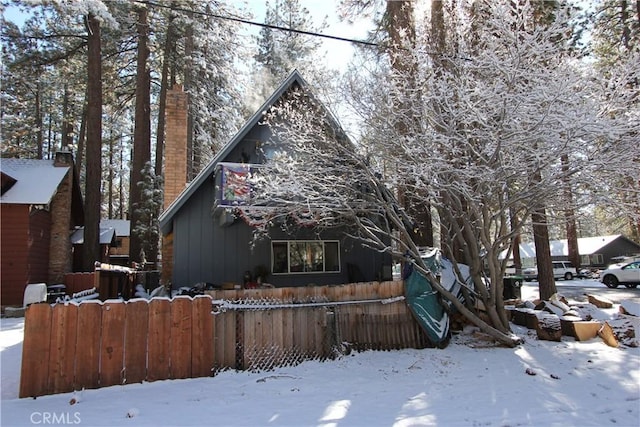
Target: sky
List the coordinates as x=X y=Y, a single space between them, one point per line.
x=337 y=53
x=469 y=383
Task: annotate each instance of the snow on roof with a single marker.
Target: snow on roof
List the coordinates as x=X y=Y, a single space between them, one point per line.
x=36 y=180
x=586 y=246
x=106 y=236
x=122 y=226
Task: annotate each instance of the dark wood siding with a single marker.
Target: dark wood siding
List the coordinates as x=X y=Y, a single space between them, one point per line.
x=208 y=249
x=619 y=247
x=14 y=247
x=39 y=243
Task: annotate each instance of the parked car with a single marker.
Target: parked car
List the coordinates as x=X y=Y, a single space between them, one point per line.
x=622 y=274
x=561 y=270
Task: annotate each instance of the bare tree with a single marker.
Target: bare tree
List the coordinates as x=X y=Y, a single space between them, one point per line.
x=487 y=156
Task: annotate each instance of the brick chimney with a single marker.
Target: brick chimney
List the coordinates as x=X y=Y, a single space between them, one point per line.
x=175 y=164
x=60 y=261
x=175 y=148
x=63 y=158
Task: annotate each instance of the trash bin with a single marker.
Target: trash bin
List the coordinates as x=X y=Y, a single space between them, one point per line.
x=512 y=287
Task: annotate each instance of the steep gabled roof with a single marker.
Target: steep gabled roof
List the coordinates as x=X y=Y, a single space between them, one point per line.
x=36 y=181
x=107 y=236
x=586 y=246
x=167 y=216
x=122 y=226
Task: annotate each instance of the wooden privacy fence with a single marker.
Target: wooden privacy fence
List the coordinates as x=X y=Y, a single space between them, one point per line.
x=77 y=282
x=97 y=344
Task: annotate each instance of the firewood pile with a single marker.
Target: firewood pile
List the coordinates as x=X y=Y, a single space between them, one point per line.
x=615 y=324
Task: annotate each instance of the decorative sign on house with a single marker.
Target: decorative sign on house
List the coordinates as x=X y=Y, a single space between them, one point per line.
x=236 y=186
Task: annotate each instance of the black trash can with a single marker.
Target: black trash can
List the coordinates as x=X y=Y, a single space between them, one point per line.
x=512 y=287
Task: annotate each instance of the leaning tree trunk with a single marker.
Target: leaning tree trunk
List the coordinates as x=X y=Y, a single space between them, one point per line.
x=91 y=245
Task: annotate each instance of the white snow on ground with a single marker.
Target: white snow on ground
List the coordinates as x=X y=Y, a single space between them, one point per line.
x=469 y=383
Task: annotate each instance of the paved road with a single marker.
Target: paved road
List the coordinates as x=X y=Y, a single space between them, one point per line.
x=576 y=290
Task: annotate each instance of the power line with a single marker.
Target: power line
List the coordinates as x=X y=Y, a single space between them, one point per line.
x=259 y=24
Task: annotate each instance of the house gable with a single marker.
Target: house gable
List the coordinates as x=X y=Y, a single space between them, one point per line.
x=210 y=243
x=244 y=147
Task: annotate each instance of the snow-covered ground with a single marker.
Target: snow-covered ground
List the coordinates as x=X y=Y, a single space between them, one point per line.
x=470 y=383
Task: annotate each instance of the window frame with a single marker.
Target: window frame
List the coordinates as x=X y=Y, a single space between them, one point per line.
x=312 y=243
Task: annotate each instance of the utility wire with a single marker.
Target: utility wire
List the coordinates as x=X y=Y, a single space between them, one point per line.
x=259 y=24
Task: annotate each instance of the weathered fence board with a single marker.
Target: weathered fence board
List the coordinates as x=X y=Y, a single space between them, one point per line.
x=181 y=335
x=202 y=338
x=159 y=367
x=112 y=343
x=34 y=378
x=135 y=341
x=88 y=345
x=62 y=357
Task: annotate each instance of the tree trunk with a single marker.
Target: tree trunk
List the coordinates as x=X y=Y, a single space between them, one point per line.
x=82 y=137
x=110 y=178
x=517 y=260
x=141 y=136
x=191 y=150
x=546 y=282
x=38 y=112
x=569 y=215
x=91 y=246
x=169 y=50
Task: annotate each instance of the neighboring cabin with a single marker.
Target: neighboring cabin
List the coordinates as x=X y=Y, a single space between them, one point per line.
x=114 y=243
x=595 y=252
x=41 y=204
x=208 y=228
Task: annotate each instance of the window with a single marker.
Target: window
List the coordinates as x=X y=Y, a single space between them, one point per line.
x=305 y=256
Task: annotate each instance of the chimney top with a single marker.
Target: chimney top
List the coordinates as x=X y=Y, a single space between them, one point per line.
x=63 y=158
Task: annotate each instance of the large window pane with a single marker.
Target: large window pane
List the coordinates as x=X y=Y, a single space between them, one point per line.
x=331 y=257
x=297 y=255
x=313 y=259
x=280 y=262
x=311 y=256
